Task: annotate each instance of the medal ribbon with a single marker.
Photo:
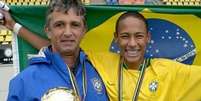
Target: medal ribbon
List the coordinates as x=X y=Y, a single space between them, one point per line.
x=139 y=81
x=74 y=82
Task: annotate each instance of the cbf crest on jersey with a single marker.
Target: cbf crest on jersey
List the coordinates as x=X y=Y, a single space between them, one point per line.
x=97 y=84
x=168 y=40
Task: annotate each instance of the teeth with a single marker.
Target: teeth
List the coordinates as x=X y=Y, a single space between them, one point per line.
x=66 y=41
x=132 y=53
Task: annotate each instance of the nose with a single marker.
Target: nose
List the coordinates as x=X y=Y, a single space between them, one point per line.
x=67 y=31
x=132 y=42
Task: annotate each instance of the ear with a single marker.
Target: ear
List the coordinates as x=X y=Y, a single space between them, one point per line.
x=47 y=31
x=85 y=30
x=148 y=37
x=115 y=36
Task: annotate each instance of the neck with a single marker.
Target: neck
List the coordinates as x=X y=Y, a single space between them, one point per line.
x=70 y=59
x=134 y=66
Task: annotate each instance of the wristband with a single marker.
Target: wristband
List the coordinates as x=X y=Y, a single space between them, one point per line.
x=4 y=6
x=17 y=28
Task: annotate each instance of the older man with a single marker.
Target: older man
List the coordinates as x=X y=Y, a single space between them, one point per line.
x=62 y=71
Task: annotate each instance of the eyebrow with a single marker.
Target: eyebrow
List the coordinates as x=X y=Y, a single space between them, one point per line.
x=133 y=33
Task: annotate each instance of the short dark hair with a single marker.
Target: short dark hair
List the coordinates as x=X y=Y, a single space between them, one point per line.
x=130 y=14
x=64 y=6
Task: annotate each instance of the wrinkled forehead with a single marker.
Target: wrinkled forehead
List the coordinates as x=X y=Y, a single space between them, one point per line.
x=70 y=11
x=70 y=14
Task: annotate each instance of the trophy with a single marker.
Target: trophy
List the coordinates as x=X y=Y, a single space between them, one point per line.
x=60 y=94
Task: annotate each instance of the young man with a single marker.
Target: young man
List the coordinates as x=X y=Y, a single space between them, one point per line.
x=130 y=77
x=62 y=71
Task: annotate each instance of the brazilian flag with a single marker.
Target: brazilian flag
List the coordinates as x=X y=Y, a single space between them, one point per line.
x=175 y=30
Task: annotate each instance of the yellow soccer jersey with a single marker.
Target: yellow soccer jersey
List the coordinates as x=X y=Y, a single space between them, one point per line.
x=164 y=80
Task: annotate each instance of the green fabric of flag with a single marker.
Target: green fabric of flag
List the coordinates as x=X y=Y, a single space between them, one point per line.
x=101 y=21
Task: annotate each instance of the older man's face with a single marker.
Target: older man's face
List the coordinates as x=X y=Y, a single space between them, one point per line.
x=66 y=31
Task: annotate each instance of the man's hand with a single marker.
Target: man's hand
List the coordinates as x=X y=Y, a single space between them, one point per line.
x=8 y=20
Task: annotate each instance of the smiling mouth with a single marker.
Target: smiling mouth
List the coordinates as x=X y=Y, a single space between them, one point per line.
x=132 y=53
x=67 y=41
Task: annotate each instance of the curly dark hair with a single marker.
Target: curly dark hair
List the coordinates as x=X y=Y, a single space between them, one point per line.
x=131 y=14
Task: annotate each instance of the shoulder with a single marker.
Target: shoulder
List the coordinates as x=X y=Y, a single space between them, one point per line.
x=30 y=71
x=103 y=57
x=20 y=80
x=37 y=64
x=167 y=63
x=166 y=66
x=104 y=60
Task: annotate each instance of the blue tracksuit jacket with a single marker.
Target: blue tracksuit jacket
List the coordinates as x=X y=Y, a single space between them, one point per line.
x=48 y=71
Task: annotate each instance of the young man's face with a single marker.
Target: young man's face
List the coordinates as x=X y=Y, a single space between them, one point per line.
x=132 y=38
x=66 y=31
